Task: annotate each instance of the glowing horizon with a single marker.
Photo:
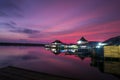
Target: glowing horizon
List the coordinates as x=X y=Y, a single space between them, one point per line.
x=65 y=20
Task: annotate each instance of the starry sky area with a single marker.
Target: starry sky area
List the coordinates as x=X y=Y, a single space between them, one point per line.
x=44 y=21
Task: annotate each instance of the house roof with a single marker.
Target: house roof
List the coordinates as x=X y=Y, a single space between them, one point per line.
x=83 y=39
x=57 y=41
x=113 y=41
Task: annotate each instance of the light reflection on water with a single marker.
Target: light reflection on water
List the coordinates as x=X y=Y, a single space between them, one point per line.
x=66 y=63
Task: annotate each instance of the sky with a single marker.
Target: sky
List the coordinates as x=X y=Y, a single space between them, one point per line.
x=44 y=21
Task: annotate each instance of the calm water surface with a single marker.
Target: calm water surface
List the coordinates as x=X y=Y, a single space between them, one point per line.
x=42 y=60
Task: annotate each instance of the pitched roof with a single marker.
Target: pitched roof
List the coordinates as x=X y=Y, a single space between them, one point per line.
x=83 y=39
x=57 y=41
x=113 y=41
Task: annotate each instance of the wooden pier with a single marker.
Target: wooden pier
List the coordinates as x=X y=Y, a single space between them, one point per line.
x=14 y=73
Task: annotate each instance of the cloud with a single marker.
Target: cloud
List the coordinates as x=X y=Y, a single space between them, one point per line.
x=6 y=4
x=25 y=30
x=10 y=24
x=13 y=27
x=3 y=14
x=59 y=19
x=9 y=8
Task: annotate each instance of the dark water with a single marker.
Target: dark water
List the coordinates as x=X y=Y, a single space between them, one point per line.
x=83 y=67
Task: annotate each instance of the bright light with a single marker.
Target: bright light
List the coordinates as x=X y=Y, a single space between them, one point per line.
x=101 y=44
x=73 y=50
x=47 y=48
x=79 y=42
x=83 y=46
x=98 y=46
x=73 y=46
x=55 y=43
x=53 y=50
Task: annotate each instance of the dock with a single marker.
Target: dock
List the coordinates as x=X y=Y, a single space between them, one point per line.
x=15 y=73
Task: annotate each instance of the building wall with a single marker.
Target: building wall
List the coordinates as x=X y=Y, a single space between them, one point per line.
x=112 y=51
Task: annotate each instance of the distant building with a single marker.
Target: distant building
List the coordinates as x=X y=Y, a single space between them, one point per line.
x=82 y=41
x=57 y=42
x=92 y=44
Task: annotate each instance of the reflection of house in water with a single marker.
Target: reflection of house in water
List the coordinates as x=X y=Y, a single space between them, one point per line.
x=69 y=51
x=109 y=65
x=55 y=51
x=112 y=60
x=106 y=58
x=85 y=46
x=59 y=50
x=112 y=67
x=83 y=55
x=58 y=44
x=106 y=65
x=82 y=45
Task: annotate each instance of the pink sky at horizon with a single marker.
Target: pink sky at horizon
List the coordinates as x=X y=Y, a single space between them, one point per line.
x=66 y=20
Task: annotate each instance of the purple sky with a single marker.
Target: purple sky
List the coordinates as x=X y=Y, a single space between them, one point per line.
x=66 y=20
